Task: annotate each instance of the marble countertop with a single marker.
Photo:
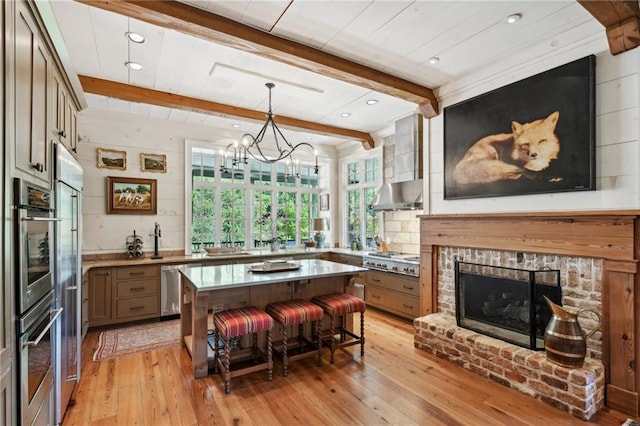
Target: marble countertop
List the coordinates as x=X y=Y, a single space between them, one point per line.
x=204 y=257
x=206 y=278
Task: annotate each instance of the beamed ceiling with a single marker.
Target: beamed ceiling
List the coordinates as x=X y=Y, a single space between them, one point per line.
x=207 y=62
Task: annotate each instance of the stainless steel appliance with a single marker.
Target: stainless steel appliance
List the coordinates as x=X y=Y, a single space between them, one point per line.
x=68 y=278
x=35 y=367
x=397 y=263
x=34 y=233
x=170 y=291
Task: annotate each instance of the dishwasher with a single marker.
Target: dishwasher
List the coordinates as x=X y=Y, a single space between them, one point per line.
x=170 y=291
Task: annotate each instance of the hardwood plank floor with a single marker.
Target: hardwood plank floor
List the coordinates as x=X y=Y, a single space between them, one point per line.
x=393 y=384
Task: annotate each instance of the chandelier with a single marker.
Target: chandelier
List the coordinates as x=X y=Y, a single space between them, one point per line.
x=253 y=146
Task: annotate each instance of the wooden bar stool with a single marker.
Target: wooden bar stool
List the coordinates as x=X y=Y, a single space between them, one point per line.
x=299 y=312
x=239 y=322
x=339 y=305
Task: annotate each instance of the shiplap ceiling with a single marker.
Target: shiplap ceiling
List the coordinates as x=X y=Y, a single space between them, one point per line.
x=395 y=37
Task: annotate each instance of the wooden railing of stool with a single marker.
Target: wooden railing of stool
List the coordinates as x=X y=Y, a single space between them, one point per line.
x=239 y=322
x=337 y=305
x=292 y=312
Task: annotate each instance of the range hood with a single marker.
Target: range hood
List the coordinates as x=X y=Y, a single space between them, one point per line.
x=405 y=192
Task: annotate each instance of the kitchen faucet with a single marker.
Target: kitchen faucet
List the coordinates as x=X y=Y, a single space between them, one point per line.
x=156 y=237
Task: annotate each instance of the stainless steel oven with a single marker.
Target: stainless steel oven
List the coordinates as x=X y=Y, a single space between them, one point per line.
x=34 y=219
x=35 y=355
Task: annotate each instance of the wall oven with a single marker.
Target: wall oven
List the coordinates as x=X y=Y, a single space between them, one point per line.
x=34 y=233
x=35 y=369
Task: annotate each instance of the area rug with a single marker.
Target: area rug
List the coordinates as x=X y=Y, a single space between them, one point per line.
x=139 y=338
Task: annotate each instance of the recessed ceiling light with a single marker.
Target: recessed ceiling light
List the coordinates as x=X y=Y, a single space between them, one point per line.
x=554 y=43
x=135 y=37
x=434 y=60
x=307 y=138
x=512 y=19
x=372 y=101
x=345 y=114
x=134 y=66
x=235 y=126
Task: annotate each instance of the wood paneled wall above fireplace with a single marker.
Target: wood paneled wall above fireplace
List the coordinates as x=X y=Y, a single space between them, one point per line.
x=613 y=236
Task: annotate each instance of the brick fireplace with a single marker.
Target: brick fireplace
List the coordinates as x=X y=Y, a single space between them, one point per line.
x=579 y=392
x=596 y=253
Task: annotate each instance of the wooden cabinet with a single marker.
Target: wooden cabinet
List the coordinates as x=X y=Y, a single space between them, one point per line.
x=64 y=116
x=85 y=306
x=31 y=85
x=100 y=290
x=6 y=398
x=398 y=294
x=121 y=294
x=137 y=293
x=347 y=259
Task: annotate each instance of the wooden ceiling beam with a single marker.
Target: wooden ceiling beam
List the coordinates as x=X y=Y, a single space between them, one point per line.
x=130 y=93
x=621 y=20
x=217 y=29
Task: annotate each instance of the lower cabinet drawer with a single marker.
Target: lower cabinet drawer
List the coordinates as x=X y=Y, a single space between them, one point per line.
x=135 y=307
x=137 y=288
x=399 y=304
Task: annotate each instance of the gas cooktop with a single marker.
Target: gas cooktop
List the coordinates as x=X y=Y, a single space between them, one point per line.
x=395 y=256
x=399 y=263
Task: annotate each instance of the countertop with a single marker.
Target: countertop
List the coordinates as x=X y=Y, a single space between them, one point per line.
x=207 y=278
x=204 y=257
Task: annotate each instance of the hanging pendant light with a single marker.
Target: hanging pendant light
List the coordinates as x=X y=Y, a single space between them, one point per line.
x=255 y=146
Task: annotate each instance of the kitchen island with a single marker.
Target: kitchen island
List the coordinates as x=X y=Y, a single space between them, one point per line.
x=206 y=288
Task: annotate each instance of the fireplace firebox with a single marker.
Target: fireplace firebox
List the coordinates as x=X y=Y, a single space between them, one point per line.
x=506 y=303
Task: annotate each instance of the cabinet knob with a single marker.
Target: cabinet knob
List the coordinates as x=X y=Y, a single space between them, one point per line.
x=39 y=167
x=62 y=134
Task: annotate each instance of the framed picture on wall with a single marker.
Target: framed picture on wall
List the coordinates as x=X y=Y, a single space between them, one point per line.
x=324 y=202
x=112 y=159
x=153 y=163
x=533 y=136
x=131 y=196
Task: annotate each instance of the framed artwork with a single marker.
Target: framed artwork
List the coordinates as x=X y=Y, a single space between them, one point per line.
x=131 y=196
x=533 y=136
x=112 y=159
x=153 y=163
x=324 y=202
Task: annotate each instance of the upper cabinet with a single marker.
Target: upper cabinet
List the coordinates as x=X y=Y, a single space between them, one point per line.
x=44 y=88
x=31 y=84
x=64 y=114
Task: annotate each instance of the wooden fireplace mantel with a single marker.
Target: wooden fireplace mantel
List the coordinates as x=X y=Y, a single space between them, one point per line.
x=612 y=235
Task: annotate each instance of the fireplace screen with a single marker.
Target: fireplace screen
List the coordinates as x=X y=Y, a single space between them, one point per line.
x=506 y=303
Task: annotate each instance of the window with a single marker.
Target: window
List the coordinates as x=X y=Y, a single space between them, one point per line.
x=250 y=204
x=362 y=180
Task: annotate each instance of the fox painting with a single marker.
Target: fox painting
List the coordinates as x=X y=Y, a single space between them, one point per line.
x=523 y=153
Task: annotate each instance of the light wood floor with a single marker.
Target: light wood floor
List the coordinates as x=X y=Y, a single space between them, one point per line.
x=393 y=384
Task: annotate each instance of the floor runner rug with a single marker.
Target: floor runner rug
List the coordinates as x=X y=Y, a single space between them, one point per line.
x=139 y=338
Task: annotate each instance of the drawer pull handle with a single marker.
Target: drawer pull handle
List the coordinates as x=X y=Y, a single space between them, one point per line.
x=375 y=280
x=407 y=306
x=136 y=308
x=137 y=273
x=375 y=296
x=407 y=287
x=135 y=288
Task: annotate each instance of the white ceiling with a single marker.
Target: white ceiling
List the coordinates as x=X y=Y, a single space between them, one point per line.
x=394 y=36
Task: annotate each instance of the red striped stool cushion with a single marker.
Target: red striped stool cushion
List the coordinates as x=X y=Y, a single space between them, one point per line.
x=240 y=321
x=294 y=311
x=339 y=303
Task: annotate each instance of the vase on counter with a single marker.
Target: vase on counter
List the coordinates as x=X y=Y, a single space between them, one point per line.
x=275 y=245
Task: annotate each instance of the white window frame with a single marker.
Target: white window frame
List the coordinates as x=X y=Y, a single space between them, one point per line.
x=218 y=184
x=360 y=186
